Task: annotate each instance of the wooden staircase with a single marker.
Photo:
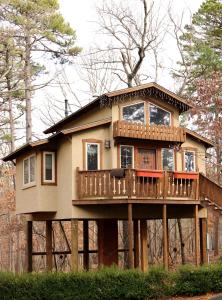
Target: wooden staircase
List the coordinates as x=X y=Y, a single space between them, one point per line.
x=211 y=191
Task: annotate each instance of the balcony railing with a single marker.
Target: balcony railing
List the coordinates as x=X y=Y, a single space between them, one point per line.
x=148 y=132
x=137 y=184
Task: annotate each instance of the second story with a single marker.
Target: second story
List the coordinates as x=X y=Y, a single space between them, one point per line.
x=126 y=143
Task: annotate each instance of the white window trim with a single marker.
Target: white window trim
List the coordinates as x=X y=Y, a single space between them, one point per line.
x=132 y=153
x=29 y=183
x=184 y=159
x=53 y=167
x=173 y=158
x=86 y=157
x=150 y=103
x=131 y=104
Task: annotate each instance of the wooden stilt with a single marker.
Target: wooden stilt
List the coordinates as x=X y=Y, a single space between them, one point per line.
x=29 y=246
x=203 y=241
x=144 y=247
x=74 y=245
x=130 y=235
x=49 y=245
x=197 y=248
x=136 y=243
x=165 y=240
x=86 y=244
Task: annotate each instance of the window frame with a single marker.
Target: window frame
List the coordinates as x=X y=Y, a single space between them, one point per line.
x=100 y=152
x=133 y=151
x=174 y=159
x=184 y=160
x=54 y=169
x=29 y=183
x=131 y=104
x=149 y=105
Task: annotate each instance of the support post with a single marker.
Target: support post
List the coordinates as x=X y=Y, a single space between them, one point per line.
x=196 y=220
x=136 y=243
x=49 y=245
x=86 y=244
x=144 y=248
x=29 y=246
x=74 y=245
x=203 y=241
x=130 y=235
x=165 y=240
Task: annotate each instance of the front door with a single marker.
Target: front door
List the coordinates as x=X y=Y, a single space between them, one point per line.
x=146 y=159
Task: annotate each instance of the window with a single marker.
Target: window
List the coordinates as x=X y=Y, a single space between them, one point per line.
x=158 y=115
x=168 y=159
x=134 y=113
x=189 y=161
x=49 y=175
x=29 y=170
x=126 y=156
x=92 y=156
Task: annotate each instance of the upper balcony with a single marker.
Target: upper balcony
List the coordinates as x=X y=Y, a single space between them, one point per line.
x=148 y=132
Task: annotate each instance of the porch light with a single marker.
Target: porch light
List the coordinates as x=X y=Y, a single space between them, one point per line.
x=107 y=144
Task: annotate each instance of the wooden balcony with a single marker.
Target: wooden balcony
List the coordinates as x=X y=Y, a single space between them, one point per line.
x=148 y=132
x=138 y=185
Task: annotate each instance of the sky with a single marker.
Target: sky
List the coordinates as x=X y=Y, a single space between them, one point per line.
x=82 y=17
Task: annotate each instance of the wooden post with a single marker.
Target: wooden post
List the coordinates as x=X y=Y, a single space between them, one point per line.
x=29 y=246
x=203 y=240
x=49 y=245
x=86 y=244
x=196 y=220
x=74 y=245
x=144 y=247
x=165 y=242
x=136 y=243
x=130 y=235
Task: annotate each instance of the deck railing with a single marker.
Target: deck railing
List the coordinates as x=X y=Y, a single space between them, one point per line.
x=148 y=132
x=137 y=184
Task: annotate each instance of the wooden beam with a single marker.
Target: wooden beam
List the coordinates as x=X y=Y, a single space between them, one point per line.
x=203 y=241
x=136 y=243
x=29 y=246
x=74 y=245
x=144 y=246
x=165 y=240
x=86 y=244
x=49 y=245
x=197 y=248
x=130 y=235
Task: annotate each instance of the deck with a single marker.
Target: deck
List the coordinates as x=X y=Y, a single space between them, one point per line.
x=136 y=185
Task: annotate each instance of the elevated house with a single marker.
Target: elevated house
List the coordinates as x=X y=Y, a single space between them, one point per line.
x=123 y=156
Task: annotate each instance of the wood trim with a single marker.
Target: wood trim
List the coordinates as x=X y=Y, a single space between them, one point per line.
x=118 y=201
x=95 y=141
x=42 y=168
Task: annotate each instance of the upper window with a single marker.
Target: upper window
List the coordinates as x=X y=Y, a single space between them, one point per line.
x=168 y=159
x=134 y=113
x=49 y=167
x=29 y=170
x=158 y=115
x=189 y=161
x=92 y=156
x=126 y=156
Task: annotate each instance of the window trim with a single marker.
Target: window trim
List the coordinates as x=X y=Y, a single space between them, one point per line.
x=184 y=160
x=131 y=146
x=100 y=152
x=174 y=159
x=131 y=104
x=149 y=104
x=54 y=169
x=29 y=183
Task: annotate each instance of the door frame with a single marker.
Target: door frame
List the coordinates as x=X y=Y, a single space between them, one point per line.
x=145 y=148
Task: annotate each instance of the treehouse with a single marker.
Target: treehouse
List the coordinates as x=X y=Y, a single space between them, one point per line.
x=123 y=156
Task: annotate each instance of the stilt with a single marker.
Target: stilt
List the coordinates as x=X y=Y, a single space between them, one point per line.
x=49 y=245
x=136 y=243
x=130 y=235
x=29 y=246
x=144 y=247
x=196 y=220
x=165 y=242
x=203 y=241
x=86 y=244
x=74 y=245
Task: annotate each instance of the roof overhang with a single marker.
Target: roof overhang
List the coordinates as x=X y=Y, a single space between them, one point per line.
x=207 y=143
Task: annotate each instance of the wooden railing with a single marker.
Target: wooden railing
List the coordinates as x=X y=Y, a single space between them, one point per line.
x=211 y=190
x=148 y=132
x=135 y=184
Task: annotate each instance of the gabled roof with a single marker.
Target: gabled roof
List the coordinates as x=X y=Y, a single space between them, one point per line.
x=208 y=143
x=149 y=89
